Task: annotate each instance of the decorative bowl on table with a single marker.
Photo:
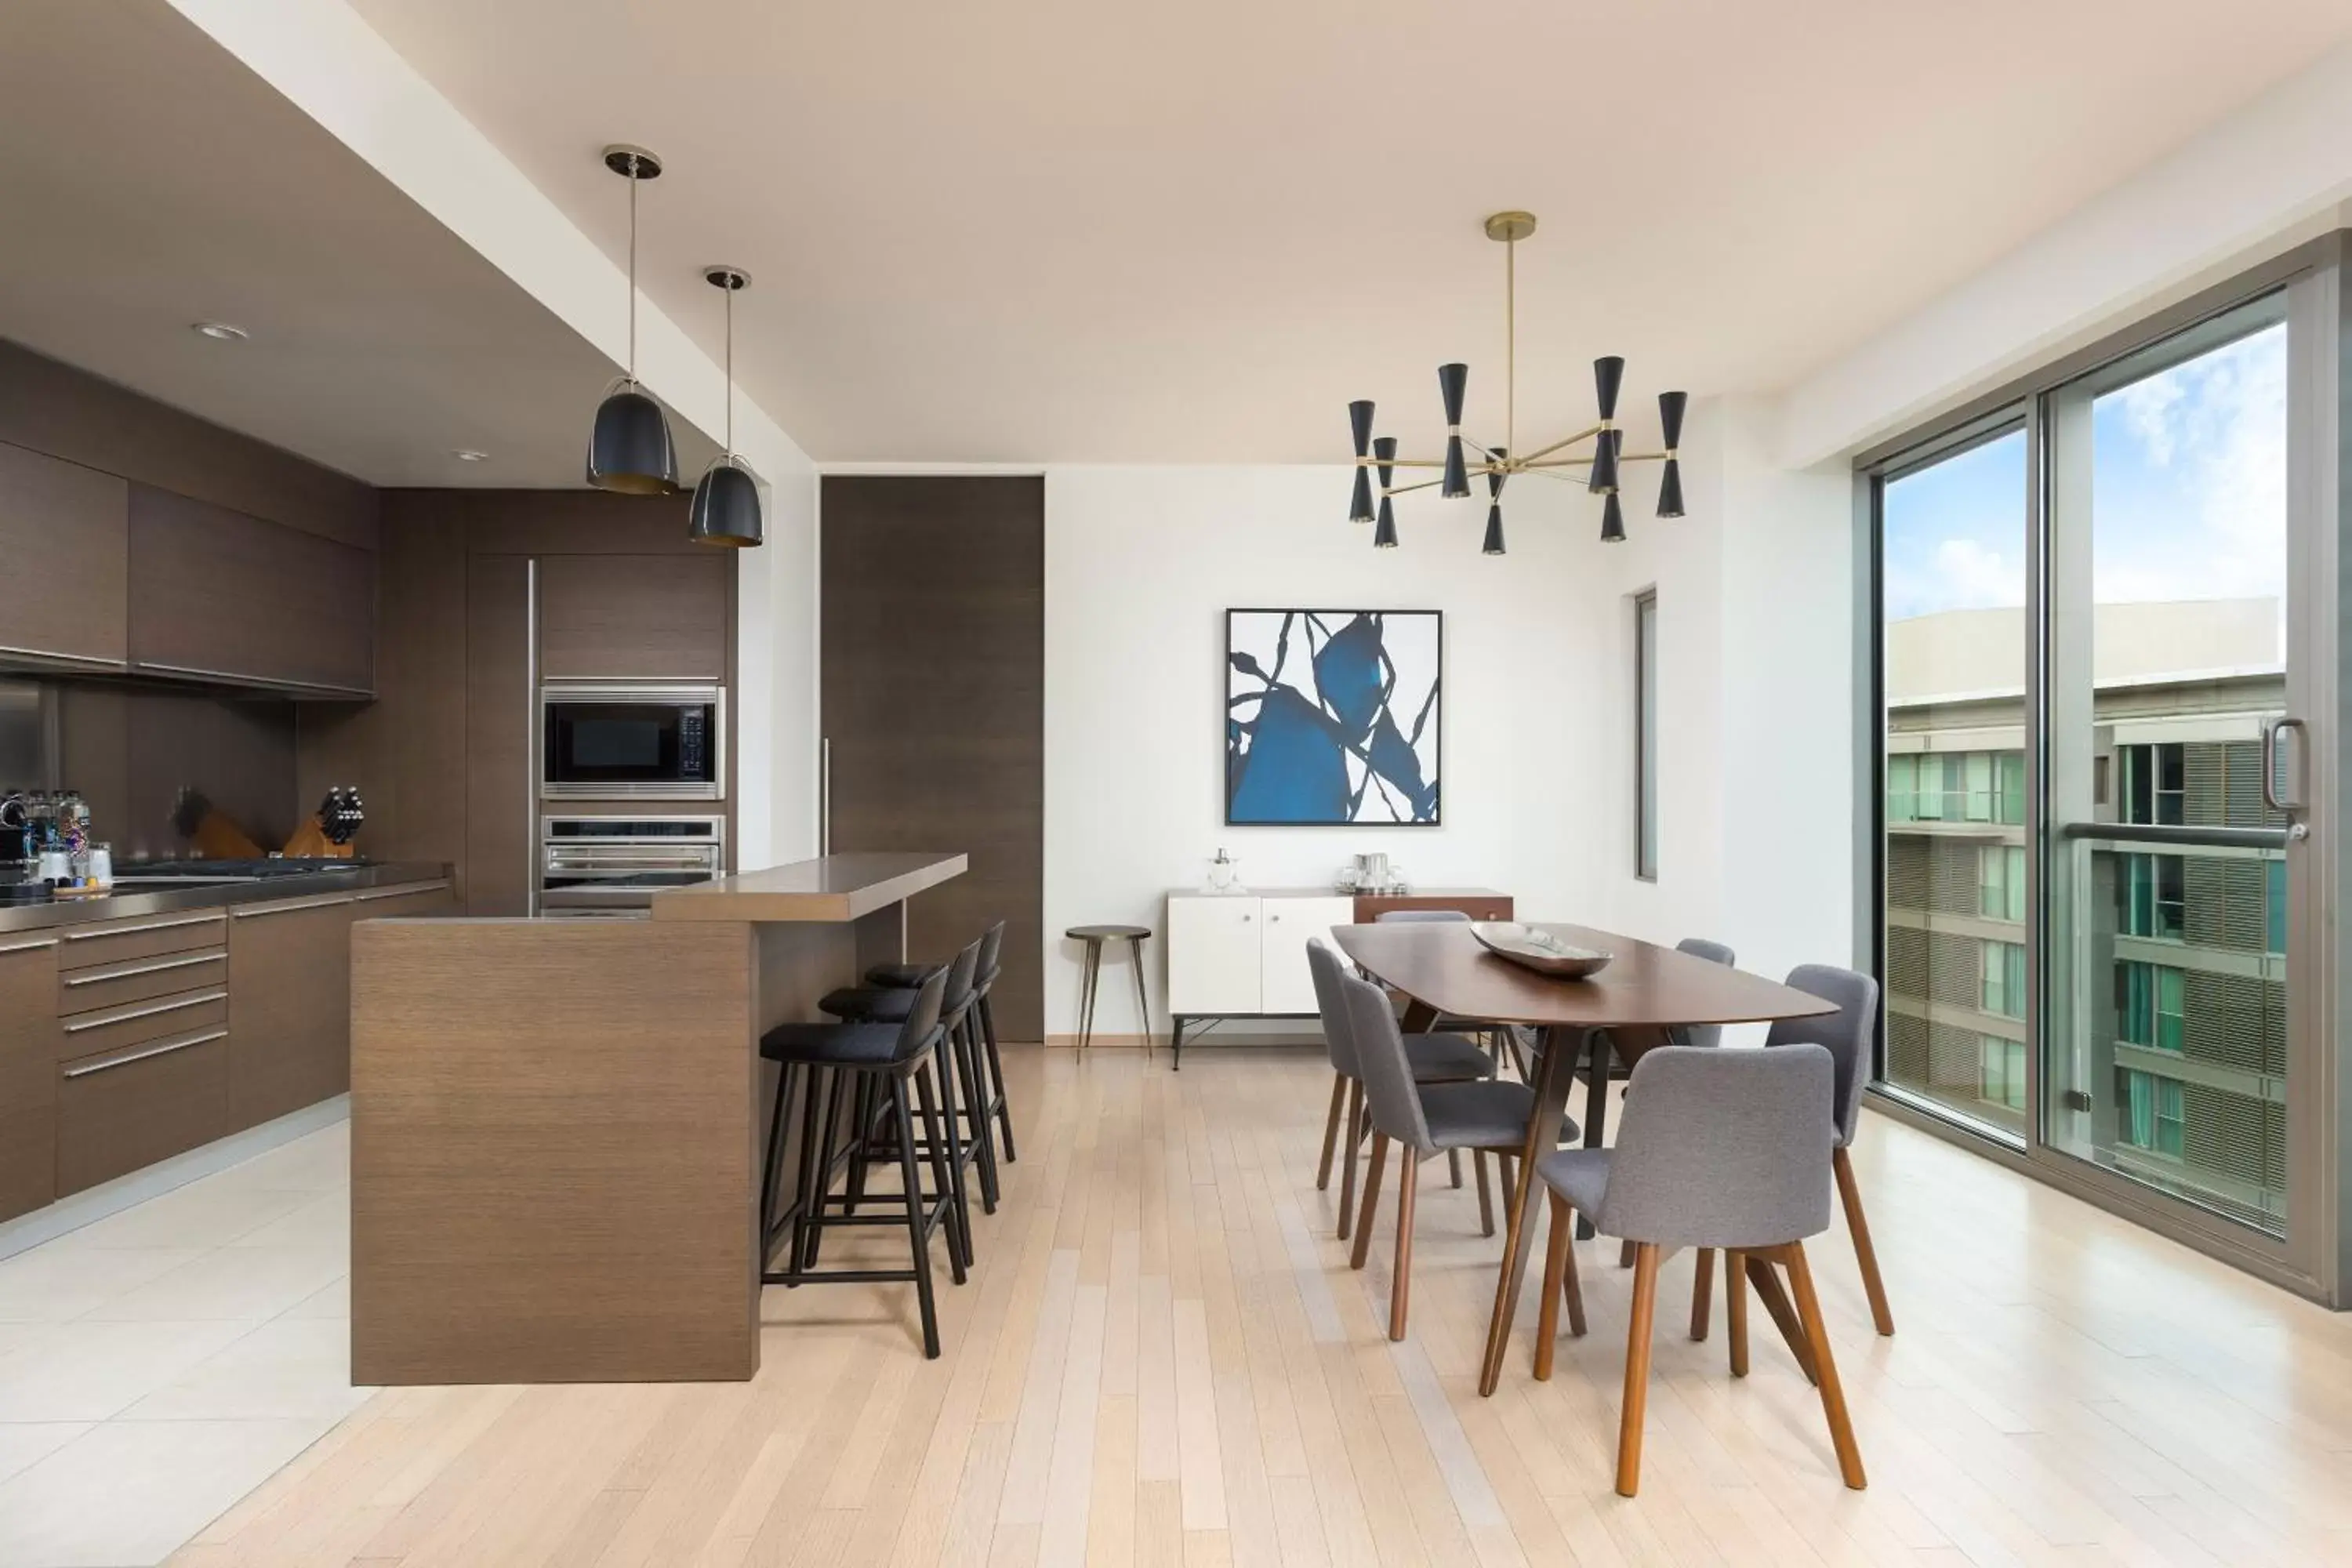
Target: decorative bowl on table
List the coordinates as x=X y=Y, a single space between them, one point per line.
x=1533 y=948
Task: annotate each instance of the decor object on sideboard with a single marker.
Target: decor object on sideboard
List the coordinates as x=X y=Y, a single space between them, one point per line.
x=1600 y=466
x=630 y=450
x=1332 y=717
x=727 y=501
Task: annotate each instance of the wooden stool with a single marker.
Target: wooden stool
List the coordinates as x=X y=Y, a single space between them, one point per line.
x=1093 y=937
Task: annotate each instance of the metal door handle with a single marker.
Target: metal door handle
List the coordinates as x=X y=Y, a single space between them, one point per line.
x=2270 y=763
x=124 y=1058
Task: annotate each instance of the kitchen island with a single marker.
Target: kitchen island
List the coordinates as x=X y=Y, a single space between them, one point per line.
x=556 y=1124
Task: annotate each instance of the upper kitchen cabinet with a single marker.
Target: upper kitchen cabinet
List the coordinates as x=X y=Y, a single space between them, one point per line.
x=217 y=596
x=65 y=529
x=634 y=617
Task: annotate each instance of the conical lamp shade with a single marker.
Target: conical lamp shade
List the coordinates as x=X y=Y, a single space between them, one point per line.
x=1384 y=534
x=1359 y=508
x=1670 y=489
x=630 y=451
x=726 y=506
x=1604 y=461
x=1612 y=521
x=1494 y=544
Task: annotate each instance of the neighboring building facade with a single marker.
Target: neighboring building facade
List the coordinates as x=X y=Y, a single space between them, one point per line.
x=2168 y=1054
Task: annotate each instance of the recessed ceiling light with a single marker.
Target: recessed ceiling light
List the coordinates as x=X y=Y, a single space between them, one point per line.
x=467 y=455
x=223 y=330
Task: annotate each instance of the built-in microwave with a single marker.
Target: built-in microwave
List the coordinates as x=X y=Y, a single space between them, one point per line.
x=629 y=741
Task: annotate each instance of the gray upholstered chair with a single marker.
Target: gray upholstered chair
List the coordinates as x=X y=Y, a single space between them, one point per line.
x=1495 y=1035
x=1719 y=1149
x=1602 y=1067
x=1846 y=1036
x=1688 y=1034
x=1436 y=1058
x=1422 y=1120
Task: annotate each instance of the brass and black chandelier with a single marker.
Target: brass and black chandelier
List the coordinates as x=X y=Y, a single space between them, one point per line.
x=1597 y=466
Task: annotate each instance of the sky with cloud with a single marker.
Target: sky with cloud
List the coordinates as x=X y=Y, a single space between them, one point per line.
x=2189 y=496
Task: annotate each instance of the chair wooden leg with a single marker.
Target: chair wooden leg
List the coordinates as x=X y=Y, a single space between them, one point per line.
x=1637 y=1370
x=1702 y=1291
x=1486 y=1198
x=1454 y=1167
x=1332 y=1131
x=1554 y=1285
x=1348 y=1157
x=1572 y=1289
x=1809 y=1312
x=1849 y=1195
x=1784 y=1316
x=1372 y=1201
x=1400 y=1285
x=1735 y=1310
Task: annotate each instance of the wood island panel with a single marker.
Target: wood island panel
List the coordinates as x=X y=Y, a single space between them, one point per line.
x=832 y=888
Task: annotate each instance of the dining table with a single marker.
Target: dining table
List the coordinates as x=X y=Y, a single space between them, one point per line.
x=1442 y=969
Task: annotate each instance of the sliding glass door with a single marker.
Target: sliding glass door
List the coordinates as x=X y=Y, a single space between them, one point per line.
x=2106 y=631
x=2170 y=865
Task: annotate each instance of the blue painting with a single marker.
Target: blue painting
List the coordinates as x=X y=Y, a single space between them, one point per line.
x=1331 y=717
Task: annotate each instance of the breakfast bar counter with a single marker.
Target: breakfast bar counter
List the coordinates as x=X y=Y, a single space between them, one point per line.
x=555 y=1124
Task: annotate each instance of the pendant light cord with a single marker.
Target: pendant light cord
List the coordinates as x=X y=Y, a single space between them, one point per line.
x=633 y=267
x=730 y=368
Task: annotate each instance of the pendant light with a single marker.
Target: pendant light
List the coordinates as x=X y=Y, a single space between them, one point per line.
x=726 y=502
x=630 y=450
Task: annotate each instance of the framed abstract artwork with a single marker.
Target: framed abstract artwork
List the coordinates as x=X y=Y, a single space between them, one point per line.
x=1332 y=718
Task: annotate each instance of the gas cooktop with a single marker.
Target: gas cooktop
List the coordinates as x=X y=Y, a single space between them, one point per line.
x=138 y=872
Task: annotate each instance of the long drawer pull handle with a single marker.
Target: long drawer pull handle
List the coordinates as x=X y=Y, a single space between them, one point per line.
x=119 y=971
x=328 y=902
x=33 y=946
x=106 y=1020
x=124 y=1058
x=145 y=925
x=408 y=892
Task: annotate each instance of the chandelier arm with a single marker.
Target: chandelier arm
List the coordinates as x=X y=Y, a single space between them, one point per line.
x=1408 y=490
x=1400 y=463
x=1551 y=472
x=1584 y=435
x=1643 y=457
x=1560 y=463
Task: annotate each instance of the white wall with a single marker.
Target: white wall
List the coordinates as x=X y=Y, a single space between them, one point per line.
x=1141 y=564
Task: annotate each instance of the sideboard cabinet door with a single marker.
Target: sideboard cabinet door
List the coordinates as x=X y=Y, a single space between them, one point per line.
x=1213 y=955
x=1287 y=984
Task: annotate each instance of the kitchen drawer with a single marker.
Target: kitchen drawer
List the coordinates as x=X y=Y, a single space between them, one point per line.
x=115 y=941
x=136 y=1023
x=131 y=1105
x=137 y=979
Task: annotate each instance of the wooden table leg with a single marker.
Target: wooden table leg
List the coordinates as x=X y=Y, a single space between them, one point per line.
x=1557 y=1073
x=1784 y=1314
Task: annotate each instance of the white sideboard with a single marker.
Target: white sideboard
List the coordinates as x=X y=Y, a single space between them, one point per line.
x=1243 y=955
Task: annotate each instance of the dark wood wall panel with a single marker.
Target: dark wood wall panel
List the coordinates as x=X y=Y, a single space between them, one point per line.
x=932 y=698
x=500 y=799
x=216 y=593
x=48 y=406
x=629 y=618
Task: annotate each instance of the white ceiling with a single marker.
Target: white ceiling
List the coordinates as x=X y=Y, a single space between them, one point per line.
x=154 y=182
x=1068 y=230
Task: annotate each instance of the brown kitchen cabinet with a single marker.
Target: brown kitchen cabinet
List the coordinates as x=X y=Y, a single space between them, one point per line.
x=30 y=1043
x=634 y=617
x=66 y=531
x=289 y=1005
x=425 y=900
x=216 y=595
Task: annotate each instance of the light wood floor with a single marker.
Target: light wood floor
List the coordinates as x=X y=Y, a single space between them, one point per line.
x=1164 y=1359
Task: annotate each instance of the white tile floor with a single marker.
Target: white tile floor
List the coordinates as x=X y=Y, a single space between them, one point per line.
x=159 y=1363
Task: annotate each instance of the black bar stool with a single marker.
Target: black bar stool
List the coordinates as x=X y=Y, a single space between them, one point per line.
x=964 y=1095
x=884 y=1059
x=990 y=1082
x=1093 y=937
